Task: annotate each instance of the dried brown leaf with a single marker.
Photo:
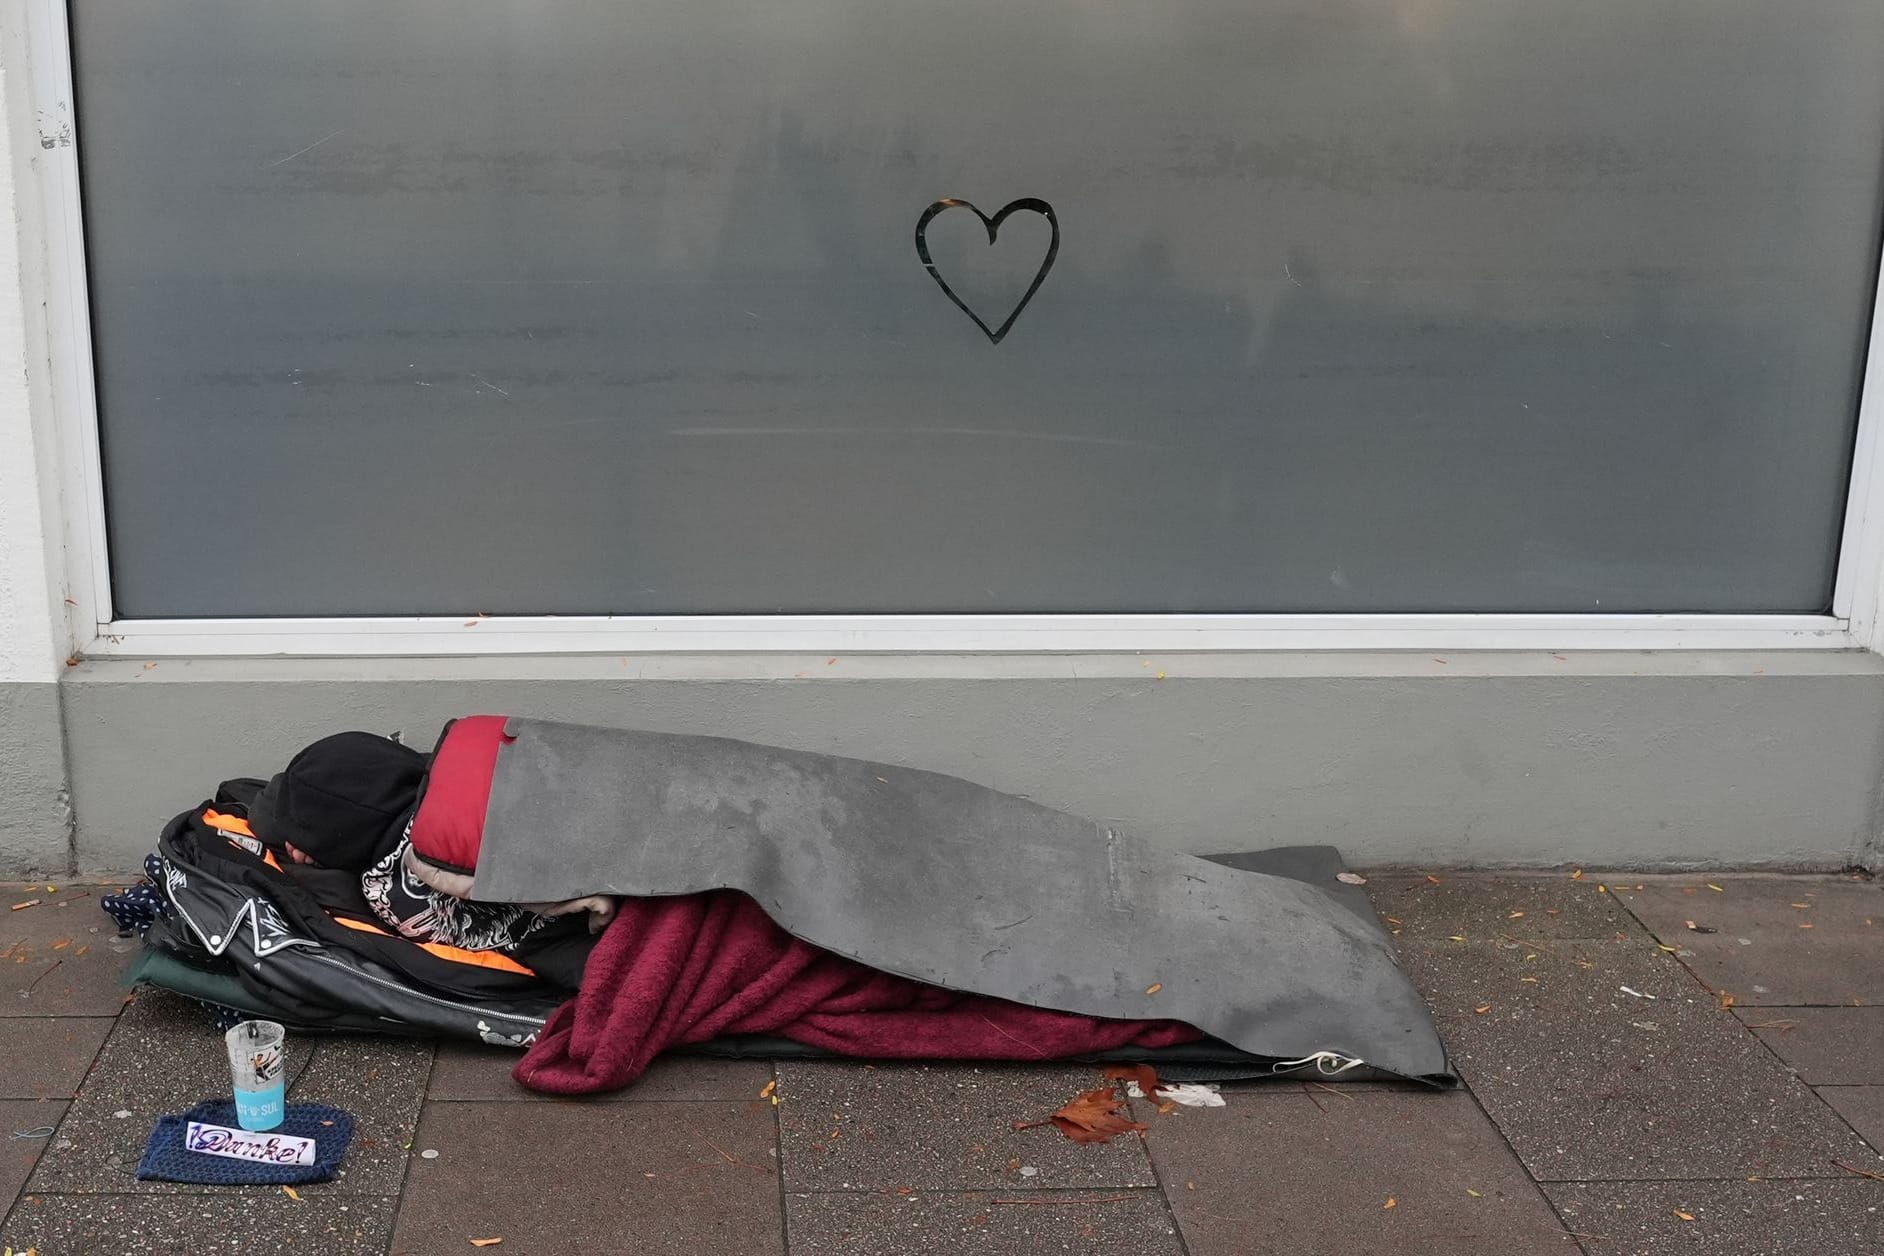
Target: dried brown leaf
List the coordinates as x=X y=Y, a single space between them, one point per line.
x=1145 y=1075
x=1093 y=1116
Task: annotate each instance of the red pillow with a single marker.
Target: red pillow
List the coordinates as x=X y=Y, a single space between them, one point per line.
x=449 y=827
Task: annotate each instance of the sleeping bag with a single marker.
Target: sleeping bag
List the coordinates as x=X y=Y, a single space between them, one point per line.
x=848 y=907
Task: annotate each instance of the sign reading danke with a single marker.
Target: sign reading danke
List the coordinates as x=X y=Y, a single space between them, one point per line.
x=220 y=1140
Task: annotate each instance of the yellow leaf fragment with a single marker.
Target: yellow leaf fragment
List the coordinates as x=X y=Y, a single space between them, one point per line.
x=1391 y=1202
x=1154 y=987
x=1685 y=1216
x=291 y=1193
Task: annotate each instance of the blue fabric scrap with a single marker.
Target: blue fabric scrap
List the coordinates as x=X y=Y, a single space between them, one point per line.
x=136 y=907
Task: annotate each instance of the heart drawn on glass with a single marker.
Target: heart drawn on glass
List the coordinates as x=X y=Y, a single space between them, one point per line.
x=1032 y=204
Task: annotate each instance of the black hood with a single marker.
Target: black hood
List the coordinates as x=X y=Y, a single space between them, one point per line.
x=343 y=800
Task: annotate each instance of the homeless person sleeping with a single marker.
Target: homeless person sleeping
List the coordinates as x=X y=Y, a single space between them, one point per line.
x=371 y=887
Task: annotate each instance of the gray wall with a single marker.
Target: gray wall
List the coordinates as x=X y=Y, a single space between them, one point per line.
x=1495 y=759
x=35 y=821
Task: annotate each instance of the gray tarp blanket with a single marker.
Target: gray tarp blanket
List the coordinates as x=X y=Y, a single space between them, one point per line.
x=941 y=880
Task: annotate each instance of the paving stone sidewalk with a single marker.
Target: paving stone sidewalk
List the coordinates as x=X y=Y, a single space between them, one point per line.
x=1668 y=1064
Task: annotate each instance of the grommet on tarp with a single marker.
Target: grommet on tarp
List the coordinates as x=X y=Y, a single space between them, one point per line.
x=1327 y=1063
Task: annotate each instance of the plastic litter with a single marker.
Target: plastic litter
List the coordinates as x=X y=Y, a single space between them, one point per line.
x=1190 y=1094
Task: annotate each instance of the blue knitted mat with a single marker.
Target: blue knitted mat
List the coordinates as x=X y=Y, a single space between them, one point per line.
x=166 y=1160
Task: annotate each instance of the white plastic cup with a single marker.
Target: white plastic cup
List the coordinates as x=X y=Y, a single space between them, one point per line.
x=255 y=1063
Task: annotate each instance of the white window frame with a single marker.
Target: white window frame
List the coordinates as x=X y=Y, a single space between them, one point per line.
x=1852 y=623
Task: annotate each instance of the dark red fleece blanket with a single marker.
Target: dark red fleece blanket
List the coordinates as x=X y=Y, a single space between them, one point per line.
x=669 y=972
